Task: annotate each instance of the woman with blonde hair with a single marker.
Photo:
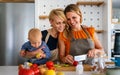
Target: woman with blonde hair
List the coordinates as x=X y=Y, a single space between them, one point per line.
x=57 y=20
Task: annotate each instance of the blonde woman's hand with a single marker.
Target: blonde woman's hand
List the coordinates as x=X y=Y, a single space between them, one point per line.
x=34 y=53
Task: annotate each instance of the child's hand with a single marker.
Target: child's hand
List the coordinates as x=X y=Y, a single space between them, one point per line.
x=40 y=55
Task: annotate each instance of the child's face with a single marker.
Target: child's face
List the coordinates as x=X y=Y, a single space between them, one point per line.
x=36 y=42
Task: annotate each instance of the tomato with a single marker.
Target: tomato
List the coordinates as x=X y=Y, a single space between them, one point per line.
x=51 y=68
x=75 y=63
x=34 y=66
x=20 y=68
x=28 y=72
x=36 y=71
x=20 y=71
x=33 y=70
x=49 y=64
x=23 y=71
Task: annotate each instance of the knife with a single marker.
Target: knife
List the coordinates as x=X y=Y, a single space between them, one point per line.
x=80 y=57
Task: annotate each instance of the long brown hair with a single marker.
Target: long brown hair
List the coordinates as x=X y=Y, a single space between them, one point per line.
x=71 y=8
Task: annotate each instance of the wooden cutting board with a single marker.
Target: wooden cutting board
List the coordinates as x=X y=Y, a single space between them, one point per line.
x=61 y=67
x=72 y=68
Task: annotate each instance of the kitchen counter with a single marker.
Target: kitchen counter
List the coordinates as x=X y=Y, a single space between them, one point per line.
x=13 y=70
x=8 y=70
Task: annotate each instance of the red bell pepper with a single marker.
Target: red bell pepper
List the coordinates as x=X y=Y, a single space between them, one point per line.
x=33 y=70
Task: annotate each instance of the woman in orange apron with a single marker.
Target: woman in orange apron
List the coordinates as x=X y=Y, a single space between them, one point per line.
x=77 y=39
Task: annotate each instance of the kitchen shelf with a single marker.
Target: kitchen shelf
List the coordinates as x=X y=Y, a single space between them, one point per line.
x=99 y=31
x=16 y=1
x=43 y=17
x=98 y=3
x=115 y=22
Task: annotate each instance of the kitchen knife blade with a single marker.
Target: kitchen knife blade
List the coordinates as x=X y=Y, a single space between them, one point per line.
x=80 y=57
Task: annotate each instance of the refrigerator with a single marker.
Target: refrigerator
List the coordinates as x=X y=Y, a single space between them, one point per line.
x=15 y=21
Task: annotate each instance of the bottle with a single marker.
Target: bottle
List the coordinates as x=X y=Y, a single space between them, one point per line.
x=99 y=66
x=79 y=68
x=101 y=63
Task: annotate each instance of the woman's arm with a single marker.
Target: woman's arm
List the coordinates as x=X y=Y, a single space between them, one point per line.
x=47 y=52
x=33 y=53
x=98 y=47
x=63 y=58
x=22 y=53
x=61 y=49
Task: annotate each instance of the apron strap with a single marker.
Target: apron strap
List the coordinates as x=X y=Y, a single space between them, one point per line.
x=88 y=35
x=47 y=36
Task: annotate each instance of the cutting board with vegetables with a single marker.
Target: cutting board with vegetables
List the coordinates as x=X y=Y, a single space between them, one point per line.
x=66 y=67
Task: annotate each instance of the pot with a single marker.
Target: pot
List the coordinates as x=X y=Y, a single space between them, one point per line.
x=116 y=60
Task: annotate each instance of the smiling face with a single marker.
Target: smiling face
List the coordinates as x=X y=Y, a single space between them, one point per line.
x=73 y=19
x=57 y=19
x=35 y=37
x=58 y=24
x=73 y=15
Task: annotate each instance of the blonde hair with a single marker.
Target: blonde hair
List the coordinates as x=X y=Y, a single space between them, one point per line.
x=68 y=29
x=34 y=34
x=57 y=12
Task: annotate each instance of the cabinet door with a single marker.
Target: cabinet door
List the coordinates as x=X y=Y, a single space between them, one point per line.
x=116 y=11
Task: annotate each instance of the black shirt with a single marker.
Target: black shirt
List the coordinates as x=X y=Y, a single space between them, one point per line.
x=52 y=42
